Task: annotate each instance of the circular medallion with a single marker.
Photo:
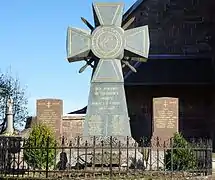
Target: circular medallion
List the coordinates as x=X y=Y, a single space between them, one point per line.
x=107 y=42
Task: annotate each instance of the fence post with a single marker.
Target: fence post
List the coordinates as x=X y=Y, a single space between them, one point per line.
x=47 y=157
x=157 y=154
x=172 y=151
x=208 y=157
x=78 y=153
x=111 y=160
x=94 y=155
x=135 y=157
x=119 y=146
x=127 y=154
x=4 y=156
x=86 y=160
x=102 y=144
x=211 y=155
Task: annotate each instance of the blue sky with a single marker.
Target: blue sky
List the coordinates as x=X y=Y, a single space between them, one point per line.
x=32 y=44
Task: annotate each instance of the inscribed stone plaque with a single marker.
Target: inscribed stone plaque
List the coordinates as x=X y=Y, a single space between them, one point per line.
x=49 y=111
x=107 y=111
x=96 y=125
x=165 y=117
x=116 y=124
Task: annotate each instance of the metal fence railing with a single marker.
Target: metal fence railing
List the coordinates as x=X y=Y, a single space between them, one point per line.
x=100 y=157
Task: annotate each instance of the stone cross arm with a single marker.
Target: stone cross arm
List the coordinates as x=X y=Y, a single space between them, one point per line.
x=108 y=40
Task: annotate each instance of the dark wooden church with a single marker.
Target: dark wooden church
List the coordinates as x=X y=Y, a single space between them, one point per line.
x=180 y=64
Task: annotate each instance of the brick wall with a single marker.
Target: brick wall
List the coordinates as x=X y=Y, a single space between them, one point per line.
x=72 y=126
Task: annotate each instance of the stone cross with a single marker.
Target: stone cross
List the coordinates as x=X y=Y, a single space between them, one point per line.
x=107 y=113
x=48 y=104
x=165 y=103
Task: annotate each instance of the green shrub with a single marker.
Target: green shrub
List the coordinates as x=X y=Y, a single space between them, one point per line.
x=181 y=155
x=39 y=147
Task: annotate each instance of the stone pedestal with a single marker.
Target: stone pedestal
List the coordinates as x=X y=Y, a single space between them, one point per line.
x=107 y=113
x=120 y=151
x=9 y=118
x=9 y=130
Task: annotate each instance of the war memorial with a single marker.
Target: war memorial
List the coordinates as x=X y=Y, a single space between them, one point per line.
x=152 y=77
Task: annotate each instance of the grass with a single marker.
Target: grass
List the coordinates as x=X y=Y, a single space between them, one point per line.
x=150 y=176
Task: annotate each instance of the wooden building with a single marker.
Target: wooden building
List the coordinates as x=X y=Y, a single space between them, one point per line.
x=180 y=64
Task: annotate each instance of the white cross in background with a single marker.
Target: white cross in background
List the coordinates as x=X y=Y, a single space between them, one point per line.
x=48 y=104
x=165 y=103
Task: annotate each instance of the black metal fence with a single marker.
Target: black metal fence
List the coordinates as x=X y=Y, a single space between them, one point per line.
x=104 y=157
